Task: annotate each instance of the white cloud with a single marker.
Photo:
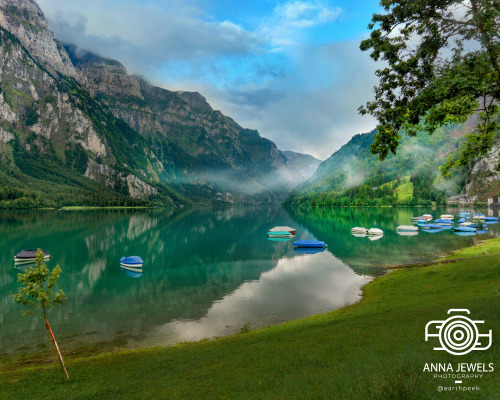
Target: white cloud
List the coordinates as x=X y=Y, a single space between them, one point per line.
x=306 y=14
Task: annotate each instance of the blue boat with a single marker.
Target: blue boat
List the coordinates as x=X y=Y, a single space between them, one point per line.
x=430 y=226
x=309 y=243
x=462 y=220
x=490 y=219
x=443 y=221
x=464 y=229
x=131 y=262
x=464 y=214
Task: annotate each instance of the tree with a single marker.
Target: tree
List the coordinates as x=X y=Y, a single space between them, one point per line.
x=442 y=65
x=36 y=292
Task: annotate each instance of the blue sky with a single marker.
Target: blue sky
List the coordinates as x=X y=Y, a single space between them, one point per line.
x=290 y=69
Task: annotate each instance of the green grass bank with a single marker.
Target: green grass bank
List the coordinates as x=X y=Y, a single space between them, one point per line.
x=374 y=349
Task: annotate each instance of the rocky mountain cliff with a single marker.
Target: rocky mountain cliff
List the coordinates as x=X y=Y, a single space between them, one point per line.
x=76 y=127
x=209 y=151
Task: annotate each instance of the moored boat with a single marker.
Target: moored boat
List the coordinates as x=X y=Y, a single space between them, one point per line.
x=464 y=229
x=431 y=227
x=427 y=217
x=293 y=231
x=443 y=222
x=407 y=228
x=279 y=234
x=358 y=229
x=375 y=232
x=29 y=256
x=131 y=262
x=309 y=243
x=447 y=216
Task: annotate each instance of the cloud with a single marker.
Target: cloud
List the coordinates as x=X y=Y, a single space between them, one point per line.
x=146 y=36
x=306 y=14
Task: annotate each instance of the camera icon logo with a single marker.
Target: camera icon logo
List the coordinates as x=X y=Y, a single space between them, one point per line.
x=458 y=334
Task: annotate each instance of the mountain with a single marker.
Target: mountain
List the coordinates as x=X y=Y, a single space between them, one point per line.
x=301 y=165
x=354 y=176
x=208 y=153
x=76 y=128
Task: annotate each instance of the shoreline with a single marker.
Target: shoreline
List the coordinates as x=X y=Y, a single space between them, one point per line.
x=353 y=344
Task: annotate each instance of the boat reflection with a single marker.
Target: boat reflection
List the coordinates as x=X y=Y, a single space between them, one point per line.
x=309 y=250
x=132 y=272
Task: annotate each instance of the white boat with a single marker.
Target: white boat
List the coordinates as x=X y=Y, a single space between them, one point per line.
x=293 y=231
x=465 y=223
x=406 y=233
x=447 y=216
x=358 y=229
x=427 y=217
x=407 y=228
x=375 y=232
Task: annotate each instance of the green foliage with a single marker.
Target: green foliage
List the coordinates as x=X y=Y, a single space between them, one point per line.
x=32 y=116
x=442 y=65
x=37 y=285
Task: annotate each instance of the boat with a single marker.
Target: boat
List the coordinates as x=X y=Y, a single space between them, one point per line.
x=421 y=221
x=407 y=228
x=462 y=220
x=447 y=216
x=29 y=256
x=375 y=232
x=464 y=214
x=465 y=223
x=464 y=229
x=406 y=233
x=479 y=216
x=309 y=243
x=131 y=262
x=417 y=218
x=490 y=219
x=279 y=234
x=358 y=229
x=443 y=222
x=427 y=217
x=293 y=231
x=431 y=227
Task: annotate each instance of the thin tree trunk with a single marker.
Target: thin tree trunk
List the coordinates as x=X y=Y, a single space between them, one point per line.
x=47 y=325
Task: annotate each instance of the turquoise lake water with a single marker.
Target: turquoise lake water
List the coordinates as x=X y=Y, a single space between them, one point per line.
x=207 y=271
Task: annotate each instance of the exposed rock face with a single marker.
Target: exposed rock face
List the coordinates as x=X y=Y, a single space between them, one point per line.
x=484 y=179
x=25 y=20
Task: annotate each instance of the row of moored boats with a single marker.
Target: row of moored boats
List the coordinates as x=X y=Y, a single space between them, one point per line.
x=467 y=224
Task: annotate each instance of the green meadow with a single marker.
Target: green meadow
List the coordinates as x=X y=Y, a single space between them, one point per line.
x=374 y=349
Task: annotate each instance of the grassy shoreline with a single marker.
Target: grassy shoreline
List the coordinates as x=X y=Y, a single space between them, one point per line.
x=374 y=349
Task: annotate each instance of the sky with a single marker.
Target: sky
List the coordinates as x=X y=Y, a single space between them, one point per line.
x=290 y=69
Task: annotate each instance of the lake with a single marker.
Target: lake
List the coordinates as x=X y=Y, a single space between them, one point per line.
x=207 y=272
